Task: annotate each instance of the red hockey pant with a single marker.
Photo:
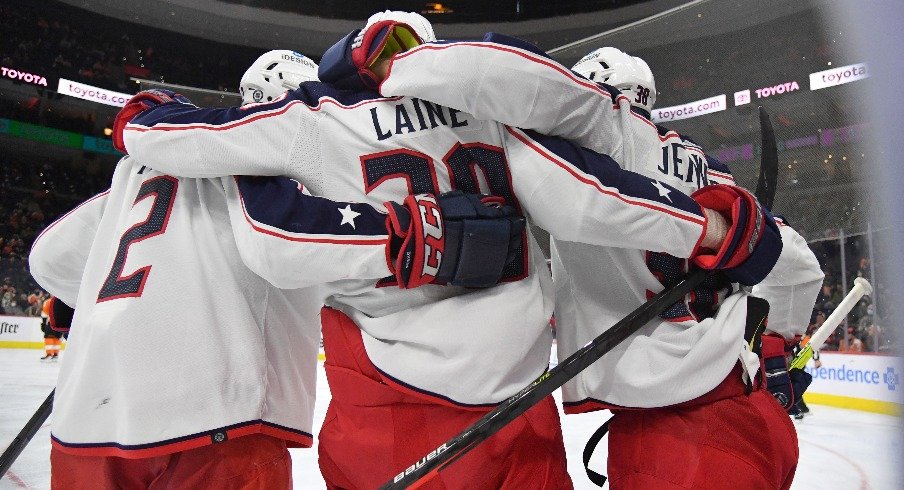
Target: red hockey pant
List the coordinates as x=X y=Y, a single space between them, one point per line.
x=373 y=431
x=722 y=440
x=252 y=462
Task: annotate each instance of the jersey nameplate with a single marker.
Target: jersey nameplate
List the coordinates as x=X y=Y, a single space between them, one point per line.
x=690 y=169
x=413 y=115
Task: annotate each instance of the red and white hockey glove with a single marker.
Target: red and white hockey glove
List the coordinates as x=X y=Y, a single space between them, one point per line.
x=348 y=63
x=752 y=242
x=454 y=238
x=139 y=103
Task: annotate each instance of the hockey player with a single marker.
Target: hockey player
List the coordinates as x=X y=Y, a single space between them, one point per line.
x=693 y=369
x=188 y=367
x=789 y=292
x=410 y=368
x=52 y=337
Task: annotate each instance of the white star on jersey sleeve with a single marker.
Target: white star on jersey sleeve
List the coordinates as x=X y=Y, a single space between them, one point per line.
x=662 y=190
x=348 y=215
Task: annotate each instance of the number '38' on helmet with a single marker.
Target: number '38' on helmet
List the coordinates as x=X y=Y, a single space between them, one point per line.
x=627 y=73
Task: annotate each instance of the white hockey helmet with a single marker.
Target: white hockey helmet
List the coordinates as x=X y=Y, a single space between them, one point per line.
x=417 y=22
x=627 y=73
x=275 y=72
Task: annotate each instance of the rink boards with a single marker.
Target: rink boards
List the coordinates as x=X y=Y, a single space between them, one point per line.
x=863 y=381
x=867 y=382
x=21 y=332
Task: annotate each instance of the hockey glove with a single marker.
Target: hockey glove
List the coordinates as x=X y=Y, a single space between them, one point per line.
x=786 y=386
x=752 y=241
x=347 y=64
x=60 y=315
x=454 y=238
x=139 y=103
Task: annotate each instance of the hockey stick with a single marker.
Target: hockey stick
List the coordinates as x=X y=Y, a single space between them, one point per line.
x=435 y=461
x=768 y=179
x=861 y=288
x=431 y=464
x=31 y=428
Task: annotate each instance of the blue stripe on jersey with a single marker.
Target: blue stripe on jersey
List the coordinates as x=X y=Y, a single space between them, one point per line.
x=514 y=42
x=610 y=174
x=278 y=202
x=309 y=93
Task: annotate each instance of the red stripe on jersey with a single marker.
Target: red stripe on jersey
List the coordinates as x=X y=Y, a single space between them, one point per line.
x=662 y=139
x=720 y=175
x=292 y=437
x=700 y=220
x=524 y=54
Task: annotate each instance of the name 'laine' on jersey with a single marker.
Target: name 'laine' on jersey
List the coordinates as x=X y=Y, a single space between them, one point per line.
x=411 y=115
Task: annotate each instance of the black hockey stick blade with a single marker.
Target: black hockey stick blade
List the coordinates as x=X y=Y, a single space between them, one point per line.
x=31 y=428
x=427 y=467
x=768 y=179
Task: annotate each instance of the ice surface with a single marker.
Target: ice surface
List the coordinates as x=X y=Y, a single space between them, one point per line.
x=840 y=449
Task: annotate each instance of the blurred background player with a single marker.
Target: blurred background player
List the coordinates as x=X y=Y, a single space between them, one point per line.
x=799 y=410
x=695 y=359
x=52 y=338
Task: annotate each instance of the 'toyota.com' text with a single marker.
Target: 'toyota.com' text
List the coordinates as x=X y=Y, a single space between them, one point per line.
x=97 y=95
x=669 y=114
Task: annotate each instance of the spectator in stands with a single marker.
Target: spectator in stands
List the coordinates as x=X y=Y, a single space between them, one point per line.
x=855 y=345
x=873 y=338
x=828 y=297
x=35 y=302
x=8 y=295
x=14 y=308
x=863 y=267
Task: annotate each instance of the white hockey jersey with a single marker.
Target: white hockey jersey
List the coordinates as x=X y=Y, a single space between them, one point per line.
x=180 y=338
x=452 y=345
x=696 y=343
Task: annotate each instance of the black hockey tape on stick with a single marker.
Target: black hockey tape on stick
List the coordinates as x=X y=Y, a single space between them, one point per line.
x=31 y=428
x=433 y=462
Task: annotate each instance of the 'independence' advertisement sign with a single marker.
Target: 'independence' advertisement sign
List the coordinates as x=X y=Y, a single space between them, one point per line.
x=872 y=379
